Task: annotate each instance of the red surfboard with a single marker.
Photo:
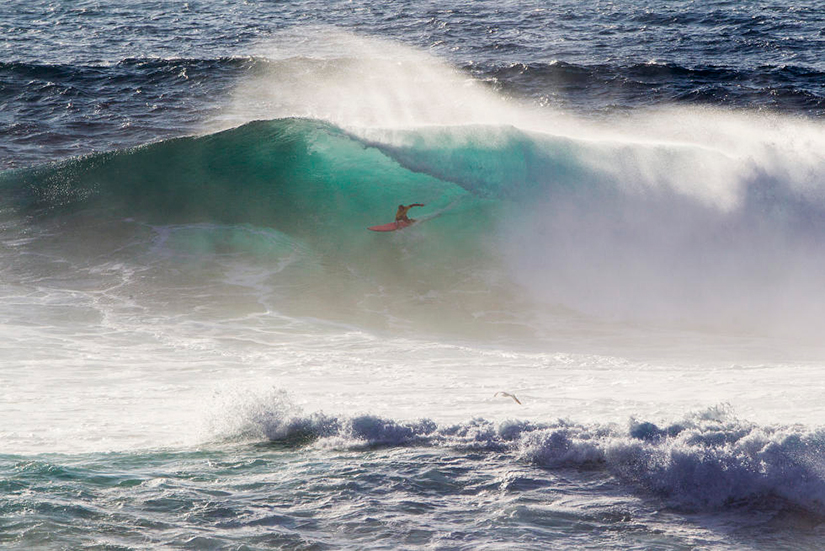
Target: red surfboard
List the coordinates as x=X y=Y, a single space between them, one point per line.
x=392 y=226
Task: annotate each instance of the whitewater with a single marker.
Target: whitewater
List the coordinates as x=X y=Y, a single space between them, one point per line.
x=603 y=333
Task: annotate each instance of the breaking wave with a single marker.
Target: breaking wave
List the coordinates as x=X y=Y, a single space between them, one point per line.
x=720 y=229
x=708 y=461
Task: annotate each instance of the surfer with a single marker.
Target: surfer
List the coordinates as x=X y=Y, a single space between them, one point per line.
x=401 y=213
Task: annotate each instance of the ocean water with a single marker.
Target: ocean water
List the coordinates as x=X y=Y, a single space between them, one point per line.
x=605 y=332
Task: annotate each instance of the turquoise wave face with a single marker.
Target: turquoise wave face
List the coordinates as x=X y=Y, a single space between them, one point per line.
x=290 y=173
x=306 y=179
x=279 y=208
x=516 y=223
x=310 y=176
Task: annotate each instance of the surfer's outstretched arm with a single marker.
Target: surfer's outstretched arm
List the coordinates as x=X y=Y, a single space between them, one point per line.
x=401 y=213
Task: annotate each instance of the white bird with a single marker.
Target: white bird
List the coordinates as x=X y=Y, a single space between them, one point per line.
x=513 y=396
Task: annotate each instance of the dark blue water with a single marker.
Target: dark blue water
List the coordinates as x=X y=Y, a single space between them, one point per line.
x=204 y=348
x=92 y=76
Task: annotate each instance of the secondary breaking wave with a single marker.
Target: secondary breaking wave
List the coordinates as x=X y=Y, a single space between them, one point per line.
x=709 y=461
